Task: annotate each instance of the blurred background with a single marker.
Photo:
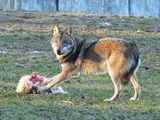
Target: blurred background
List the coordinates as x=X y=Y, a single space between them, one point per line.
x=115 y=7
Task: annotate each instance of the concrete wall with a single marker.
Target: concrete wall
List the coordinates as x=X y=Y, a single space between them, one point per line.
x=35 y=5
x=118 y=7
x=1 y=5
x=95 y=6
x=6 y=5
x=145 y=7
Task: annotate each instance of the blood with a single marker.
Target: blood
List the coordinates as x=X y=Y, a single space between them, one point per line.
x=35 y=78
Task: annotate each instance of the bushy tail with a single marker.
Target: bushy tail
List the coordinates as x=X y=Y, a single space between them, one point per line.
x=126 y=77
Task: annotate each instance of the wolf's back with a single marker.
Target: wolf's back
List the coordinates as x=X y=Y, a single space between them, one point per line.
x=117 y=56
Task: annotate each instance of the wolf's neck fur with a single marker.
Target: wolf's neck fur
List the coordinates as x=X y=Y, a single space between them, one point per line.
x=72 y=56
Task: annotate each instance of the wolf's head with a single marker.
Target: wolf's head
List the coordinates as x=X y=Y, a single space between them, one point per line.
x=62 y=41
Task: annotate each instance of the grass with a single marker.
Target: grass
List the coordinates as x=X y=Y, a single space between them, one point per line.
x=25 y=47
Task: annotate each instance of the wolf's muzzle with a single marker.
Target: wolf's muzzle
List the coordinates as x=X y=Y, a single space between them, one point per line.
x=59 y=52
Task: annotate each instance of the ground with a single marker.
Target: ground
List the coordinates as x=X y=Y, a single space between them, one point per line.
x=25 y=47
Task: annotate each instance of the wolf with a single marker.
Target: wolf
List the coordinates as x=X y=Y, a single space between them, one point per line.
x=117 y=57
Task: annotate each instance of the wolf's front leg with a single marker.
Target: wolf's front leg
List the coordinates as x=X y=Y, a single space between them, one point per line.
x=47 y=80
x=56 y=79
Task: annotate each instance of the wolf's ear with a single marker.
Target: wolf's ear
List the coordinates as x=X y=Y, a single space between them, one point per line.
x=69 y=30
x=55 y=30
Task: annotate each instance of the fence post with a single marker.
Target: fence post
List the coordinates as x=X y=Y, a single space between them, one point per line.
x=57 y=5
x=129 y=7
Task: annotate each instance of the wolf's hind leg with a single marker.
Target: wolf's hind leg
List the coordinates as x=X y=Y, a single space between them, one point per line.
x=117 y=91
x=136 y=87
x=117 y=86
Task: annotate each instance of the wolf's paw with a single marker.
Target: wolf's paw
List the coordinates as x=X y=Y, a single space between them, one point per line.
x=134 y=98
x=107 y=100
x=42 y=89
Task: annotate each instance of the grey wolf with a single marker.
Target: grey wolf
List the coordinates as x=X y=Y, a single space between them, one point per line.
x=118 y=57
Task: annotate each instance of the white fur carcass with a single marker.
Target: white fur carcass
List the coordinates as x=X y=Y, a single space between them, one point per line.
x=29 y=84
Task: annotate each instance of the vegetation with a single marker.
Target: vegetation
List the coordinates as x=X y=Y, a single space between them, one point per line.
x=25 y=47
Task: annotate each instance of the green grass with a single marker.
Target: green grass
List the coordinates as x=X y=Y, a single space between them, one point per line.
x=20 y=37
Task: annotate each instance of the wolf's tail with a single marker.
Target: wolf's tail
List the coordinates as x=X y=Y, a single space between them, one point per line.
x=126 y=77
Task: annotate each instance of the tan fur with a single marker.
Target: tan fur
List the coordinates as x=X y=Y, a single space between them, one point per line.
x=118 y=57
